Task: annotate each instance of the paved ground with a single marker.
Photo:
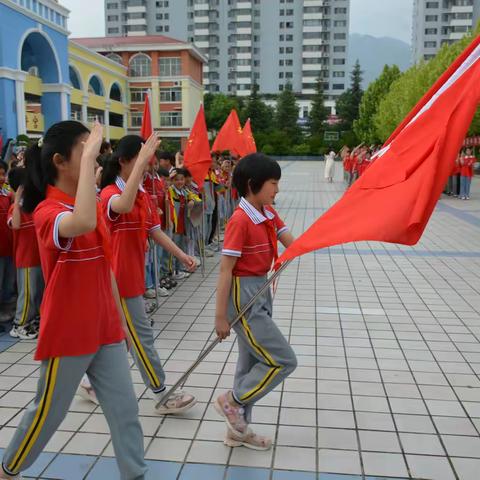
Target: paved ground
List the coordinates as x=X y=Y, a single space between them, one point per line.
x=388 y=342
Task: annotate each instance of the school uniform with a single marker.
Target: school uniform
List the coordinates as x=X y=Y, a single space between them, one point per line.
x=466 y=172
x=265 y=358
x=209 y=202
x=30 y=282
x=193 y=227
x=80 y=333
x=7 y=270
x=177 y=203
x=129 y=239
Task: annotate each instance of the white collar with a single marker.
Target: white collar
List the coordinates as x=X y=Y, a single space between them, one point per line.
x=120 y=183
x=255 y=216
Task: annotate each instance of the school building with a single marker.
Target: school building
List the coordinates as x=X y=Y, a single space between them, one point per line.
x=46 y=77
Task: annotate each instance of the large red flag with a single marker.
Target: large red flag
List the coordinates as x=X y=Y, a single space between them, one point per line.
x=393 y=200
x=249 y=141
x=230 y=136
x=197 y=156
x=147 y=128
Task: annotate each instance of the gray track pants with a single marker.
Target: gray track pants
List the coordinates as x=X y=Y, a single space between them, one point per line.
x=109 y=373
x=30 y=292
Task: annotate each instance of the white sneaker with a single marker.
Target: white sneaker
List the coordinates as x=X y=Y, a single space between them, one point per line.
x=163 y=292
x=14 y=333
x=209 y=253
x=150 y=293
x=180 y=276
x=87 y=393
x=6 y=476
x=198 y=261
x=28 y=333
x=179 y=402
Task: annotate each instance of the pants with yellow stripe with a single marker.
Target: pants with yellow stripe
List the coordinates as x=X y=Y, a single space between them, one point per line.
x=265 y=358
x=109 y=373
x=30 y=292
x=143 y=344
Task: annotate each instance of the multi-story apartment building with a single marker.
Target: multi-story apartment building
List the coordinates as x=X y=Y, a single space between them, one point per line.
x=268 y=42
x=170 y=69
x=441 y=21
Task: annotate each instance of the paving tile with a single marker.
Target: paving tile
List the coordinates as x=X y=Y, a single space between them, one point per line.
x=384 y=464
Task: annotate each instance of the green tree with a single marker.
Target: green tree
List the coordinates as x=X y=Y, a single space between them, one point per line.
x=319 y=112
x=364 y=127
x=349 y=102
x=286 y=117
x=217 y=108
x=258 y=111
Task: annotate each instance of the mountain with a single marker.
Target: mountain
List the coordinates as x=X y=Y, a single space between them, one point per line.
x=375 y=52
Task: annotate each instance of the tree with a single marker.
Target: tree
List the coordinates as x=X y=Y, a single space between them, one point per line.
x=349 y=102
x=364 y=127
x=259 y=112
x=286 y=117
x=217 y=108
x=319 y=112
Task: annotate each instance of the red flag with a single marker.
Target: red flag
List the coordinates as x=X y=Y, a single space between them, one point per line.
x=197 y=156
x=230 y=136
x=250 y=145
x=147 y=128
x=393 y=200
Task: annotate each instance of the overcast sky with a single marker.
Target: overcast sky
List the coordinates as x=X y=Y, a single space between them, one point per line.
x=379 y=18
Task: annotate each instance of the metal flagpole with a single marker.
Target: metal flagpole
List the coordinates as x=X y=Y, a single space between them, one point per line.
x=205 y=352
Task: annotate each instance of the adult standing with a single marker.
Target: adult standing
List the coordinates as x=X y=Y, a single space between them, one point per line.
x=330 y=165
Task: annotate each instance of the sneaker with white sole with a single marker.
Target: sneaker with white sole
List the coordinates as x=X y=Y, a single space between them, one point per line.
x=163 y=292
x=5 y=476
x=209 y=253
x=150 y=293
x=198 y=261
x=29 y=332
x=87 y=393
x=180 y=276
x=15 y=332
x=177 y=403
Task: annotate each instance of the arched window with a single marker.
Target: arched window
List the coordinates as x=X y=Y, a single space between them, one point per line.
x=115 y=57
x=95 y=86
x=140 y=66
x=116 y=92
x=74 y=78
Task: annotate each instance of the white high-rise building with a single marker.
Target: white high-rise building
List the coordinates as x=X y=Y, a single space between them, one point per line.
x=441 y=21
x=270 y=42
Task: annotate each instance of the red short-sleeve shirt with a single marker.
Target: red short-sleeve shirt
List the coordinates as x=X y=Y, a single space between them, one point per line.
x=466 y=169
x=6 y=243
x=25 y=245
x=246 y=237
x=129 y=239
x=78 y=310
x=157 y=188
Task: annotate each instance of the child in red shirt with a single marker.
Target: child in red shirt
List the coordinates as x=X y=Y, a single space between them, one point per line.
x=27 y=262
x=81 y=329
x=131 y=219
x=265 y=358
x=467 y=161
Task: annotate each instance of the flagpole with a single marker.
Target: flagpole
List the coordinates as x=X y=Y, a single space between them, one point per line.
x=212 y=345
x=202 y=238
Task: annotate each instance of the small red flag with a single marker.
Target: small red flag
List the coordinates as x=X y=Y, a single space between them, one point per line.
x=249 y=140
x=147 y=128
x=197 y=156
x=230 y=136
x=394 y=199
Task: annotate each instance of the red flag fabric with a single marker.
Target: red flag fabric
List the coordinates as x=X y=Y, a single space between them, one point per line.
x=197 y=156
x=147 y=128
x=394 y=199
x=249 y=141
x=230 y=136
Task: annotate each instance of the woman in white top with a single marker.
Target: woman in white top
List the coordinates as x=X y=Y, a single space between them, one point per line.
x=330 y=165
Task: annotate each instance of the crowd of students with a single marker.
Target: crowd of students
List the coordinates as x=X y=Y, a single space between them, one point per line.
x=460 y=181
x=91 y=218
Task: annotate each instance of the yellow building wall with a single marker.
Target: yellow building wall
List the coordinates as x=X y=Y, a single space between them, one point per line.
x=192 y=97
x=88 y=63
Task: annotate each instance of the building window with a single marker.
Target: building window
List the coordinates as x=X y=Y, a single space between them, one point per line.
x=136 y=119
x=430 y=44
x=112 y=18
x=170 y=94
x=137 y=95
x=95 y=86
x=338 y=86
x=94 y=115
x=75 y=112
x=115 y=57
x=432 y=4
x=74 y=78
x=140 y=66
x=111 y=6
x=170 y=119
x=169 y=66
x=113 y=30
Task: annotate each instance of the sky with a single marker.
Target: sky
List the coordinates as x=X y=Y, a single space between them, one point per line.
x=379 y=18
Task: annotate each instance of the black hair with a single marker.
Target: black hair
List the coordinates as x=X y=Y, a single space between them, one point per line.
x=16 y=177
x=252 y=171
x=127 y=149
x=60 y=138
x=160 y=154
x=105 y=146
x=186 y=172
x=3 y=165
x=177 y=171
x=163 y=173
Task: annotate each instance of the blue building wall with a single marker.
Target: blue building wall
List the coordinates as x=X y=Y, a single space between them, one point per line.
x=42 y=46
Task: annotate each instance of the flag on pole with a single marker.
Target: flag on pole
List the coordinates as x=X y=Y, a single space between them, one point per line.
x=197 y=156
x=249 y=140
x=230 y=136
x=147 y=128
x=394 y=199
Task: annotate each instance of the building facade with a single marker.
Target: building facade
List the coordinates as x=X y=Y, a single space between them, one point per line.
x=441 y=21
x=45 y=78
x=268 y=42
x=170 y=70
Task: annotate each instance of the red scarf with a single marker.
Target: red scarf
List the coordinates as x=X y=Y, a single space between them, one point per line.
x=55 y=193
